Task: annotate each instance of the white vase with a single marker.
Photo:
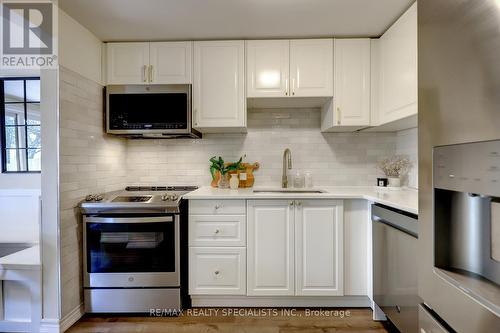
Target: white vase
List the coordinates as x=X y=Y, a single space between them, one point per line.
x=394 y=182
x=234 y=182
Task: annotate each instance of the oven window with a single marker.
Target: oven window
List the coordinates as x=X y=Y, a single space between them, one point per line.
x=130 y=247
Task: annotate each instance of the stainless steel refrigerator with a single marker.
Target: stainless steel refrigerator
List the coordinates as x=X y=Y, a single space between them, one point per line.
x=459 y=184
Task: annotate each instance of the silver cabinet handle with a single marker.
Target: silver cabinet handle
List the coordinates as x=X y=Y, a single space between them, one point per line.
x=293 y=86
x=338 y=116
x=144 y=73
x=151 y=72
x=286 y=87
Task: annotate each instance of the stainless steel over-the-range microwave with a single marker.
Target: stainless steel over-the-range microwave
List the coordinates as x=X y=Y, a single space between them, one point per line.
x=155 y=111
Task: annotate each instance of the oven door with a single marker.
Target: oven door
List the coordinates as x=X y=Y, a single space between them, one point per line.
x=131 y=252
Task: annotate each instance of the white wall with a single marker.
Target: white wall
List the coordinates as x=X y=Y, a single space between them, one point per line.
x=407 y=144
x=20 y=216
x=335 y=159
x=79 y=50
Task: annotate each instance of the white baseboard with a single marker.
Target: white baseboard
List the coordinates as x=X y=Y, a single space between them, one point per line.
x=286 y=301
x=60 y=326
x=71 y=318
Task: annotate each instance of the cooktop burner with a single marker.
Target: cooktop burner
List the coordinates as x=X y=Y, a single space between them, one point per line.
x=141 y=198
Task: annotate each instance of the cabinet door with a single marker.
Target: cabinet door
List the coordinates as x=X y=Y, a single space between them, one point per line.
x=398 y=69
x=270 y=244
x=352 y=82
x=127 y=63
x=217 y=271
x=267 y=68
x=171 y=62
x=219 y=87
x=319 y=248
x=311 y=67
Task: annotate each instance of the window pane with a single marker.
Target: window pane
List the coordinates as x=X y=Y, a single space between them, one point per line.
x=14 y=137
x=33 y=90
x=34 y=137
x=33 y=113
x=14 y=90
x=15 y=112
x=16 y=160
x=34 y=160
x=10 y=120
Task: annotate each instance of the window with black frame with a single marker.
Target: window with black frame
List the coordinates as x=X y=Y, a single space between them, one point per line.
x=20 y=124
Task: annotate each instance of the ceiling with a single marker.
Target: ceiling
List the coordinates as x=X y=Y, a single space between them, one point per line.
x=129 y=20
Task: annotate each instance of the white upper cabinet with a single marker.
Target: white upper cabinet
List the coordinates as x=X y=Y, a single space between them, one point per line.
x=398 y=69
x=311 y=67
x=170 y=62
x=267 y=68
x=270 y=248
x=149 y=63
x=290 y=68
x=219 y=102
x=352 y=82
x=319 y=248
x=128 y=63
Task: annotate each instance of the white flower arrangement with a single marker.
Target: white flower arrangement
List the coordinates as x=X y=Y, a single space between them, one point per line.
x=395 y=166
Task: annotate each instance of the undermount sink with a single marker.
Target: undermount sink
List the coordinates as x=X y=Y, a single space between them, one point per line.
x=284 y=190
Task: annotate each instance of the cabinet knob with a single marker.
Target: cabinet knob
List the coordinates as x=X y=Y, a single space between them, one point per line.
x=291 y=203
x=299 y=203
x=217 y=231
x=218 y=206
x=217 y=272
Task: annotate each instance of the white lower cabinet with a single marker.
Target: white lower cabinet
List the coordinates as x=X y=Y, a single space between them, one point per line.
x=319 y=250
x=295 y=247
x=217 y=271
x=270 y=247
x=278 y=248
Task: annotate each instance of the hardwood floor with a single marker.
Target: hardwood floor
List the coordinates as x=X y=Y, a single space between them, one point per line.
x=248 y=320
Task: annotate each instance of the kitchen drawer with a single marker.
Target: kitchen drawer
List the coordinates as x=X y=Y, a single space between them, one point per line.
x=217 y=230
x=427 y=323
x=216 y=207
x=217 y=271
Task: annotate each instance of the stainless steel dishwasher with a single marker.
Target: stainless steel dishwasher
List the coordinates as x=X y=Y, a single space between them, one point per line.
x=395 y=290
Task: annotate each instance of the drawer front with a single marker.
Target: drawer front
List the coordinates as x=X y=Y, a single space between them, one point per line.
x=215 y=207
x=217 y=271
x=217 y=230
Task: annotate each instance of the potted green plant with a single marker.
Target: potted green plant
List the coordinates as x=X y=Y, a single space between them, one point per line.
x=219 y=168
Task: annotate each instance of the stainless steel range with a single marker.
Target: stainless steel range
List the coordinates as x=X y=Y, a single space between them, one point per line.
x=135 y=250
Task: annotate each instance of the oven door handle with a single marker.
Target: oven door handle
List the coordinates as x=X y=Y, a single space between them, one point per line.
x=153 y=219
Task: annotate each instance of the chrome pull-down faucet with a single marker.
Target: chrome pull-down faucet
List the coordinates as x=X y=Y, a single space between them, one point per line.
x=287 y=164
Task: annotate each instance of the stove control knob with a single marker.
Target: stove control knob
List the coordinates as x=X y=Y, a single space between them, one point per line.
x=164 y=197
x=174 y=197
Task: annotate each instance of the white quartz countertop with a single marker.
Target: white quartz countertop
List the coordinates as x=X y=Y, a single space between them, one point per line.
x=404 y=199
x=28 y=258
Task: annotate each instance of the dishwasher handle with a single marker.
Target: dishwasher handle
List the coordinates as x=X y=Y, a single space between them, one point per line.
x=405 y=222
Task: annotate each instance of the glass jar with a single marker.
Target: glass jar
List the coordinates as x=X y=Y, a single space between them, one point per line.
x=223 y=181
